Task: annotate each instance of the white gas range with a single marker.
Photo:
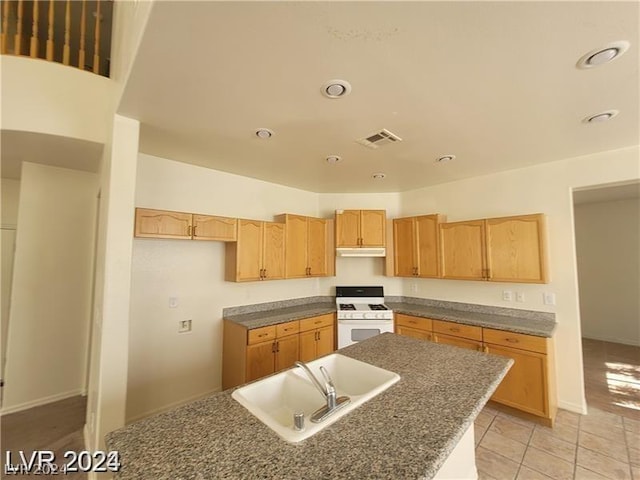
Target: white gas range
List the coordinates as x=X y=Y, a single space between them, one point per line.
x=361 y=314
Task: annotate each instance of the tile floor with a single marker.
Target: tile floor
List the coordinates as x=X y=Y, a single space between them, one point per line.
x=604 y=444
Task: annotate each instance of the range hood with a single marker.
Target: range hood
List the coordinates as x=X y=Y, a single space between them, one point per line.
x=361 y=252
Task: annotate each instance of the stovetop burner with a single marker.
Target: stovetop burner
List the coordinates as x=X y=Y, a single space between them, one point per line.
x=347 y=306
x=377 y=306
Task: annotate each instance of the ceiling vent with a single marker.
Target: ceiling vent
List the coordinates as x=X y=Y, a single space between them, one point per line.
x=377 y=139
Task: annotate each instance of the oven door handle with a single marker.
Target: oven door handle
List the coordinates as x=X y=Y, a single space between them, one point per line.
x=366 y=322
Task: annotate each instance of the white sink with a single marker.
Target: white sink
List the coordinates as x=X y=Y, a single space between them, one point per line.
x=275 y=399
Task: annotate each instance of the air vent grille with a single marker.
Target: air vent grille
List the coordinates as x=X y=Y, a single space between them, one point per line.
x=377 y=139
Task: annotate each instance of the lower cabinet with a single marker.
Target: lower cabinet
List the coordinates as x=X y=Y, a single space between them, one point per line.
x=529 y=386
x=317 y=337
x=248 y=355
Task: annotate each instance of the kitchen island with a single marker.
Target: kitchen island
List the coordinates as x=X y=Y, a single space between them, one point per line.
x=408 y=431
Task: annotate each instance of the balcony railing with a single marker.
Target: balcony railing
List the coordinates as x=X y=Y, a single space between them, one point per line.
x=72 y=32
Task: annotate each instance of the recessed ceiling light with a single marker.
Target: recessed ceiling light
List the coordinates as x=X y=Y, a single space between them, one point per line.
x=378 y=176
x=445 y=158
x=332 y=159
x=264 y=133
x=336 y=88
x=603 y=55
x=601 y=117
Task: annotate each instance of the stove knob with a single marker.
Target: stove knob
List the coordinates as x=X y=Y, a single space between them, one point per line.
x=347 y=315
x=369 y=315
x=380 y=315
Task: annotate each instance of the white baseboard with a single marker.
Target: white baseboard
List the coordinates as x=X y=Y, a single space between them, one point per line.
x=604 y=338
x=41 y=401
x=573 y=407
x=165 y=408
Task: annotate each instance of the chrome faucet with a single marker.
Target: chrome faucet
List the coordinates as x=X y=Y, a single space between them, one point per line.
x=328 y=392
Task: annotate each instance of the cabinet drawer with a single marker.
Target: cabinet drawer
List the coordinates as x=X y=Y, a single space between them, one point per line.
x=413 y=322
x=515 y=340
x=458 y=329
x=316 y=322
x=289 y=328
x=262 y=334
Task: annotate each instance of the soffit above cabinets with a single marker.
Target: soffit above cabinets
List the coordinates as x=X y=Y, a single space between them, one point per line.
x=494 y=84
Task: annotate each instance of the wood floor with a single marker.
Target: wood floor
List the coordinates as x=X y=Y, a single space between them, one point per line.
x=56 y=427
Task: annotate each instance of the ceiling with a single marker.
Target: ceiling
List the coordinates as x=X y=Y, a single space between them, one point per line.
x=493 y=83
x=52 y=150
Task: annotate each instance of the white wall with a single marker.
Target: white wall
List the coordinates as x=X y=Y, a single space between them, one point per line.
x=547 y=189
x=10 y=191
x=47 y=97
x=167 y=368
x=50 y=306
x=607 y=243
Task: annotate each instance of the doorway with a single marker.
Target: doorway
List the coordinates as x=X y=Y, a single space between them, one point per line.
x=607 y=230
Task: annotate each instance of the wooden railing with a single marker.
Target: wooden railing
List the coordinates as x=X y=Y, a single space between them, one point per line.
x=72 y=32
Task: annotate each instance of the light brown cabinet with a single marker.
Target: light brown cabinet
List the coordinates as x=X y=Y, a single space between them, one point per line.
x=415 y=242
x=317 y=336
x=416 y=327
x=308 y=246
x=361 y=228
x=252 y=354
x=529 y=386
x=151 y=223
x=508 y=249
x=258 y=253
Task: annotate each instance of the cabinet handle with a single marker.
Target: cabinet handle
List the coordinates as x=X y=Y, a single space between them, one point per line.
x=277 y=347
x=454 y=329
x=317 y=335
x=413 y=321
x=194 y=230
x=273 y=347
x=262 y=335
x=189 y=231
x=511 y=340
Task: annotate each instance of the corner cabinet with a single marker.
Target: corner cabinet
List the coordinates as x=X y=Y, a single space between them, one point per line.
x=361 y=228
x=151 y=223
x=416 y=246
x=258 y=253
x=308 y=246
x=508 y=249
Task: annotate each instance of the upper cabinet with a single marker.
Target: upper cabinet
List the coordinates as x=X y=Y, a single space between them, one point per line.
x=167 y=224
x=508 y=249
x=360 y=228
x=258 y=253
x=416 y=250
x=309 y=246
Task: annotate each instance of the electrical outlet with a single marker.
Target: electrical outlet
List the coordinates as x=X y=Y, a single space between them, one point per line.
x=519 y=296
x=507 y=295
x=173 y=302
x=184 y=326
x=549 y=298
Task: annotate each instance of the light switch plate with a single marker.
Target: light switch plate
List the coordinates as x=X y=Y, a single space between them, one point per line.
x=549 y=298
x=507 y=295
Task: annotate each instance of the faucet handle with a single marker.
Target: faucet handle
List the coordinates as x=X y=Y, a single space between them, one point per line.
x=327 y=379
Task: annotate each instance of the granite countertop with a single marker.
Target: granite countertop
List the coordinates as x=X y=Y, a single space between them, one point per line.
x=280 y=315
x=528 y=324
x=407 y=431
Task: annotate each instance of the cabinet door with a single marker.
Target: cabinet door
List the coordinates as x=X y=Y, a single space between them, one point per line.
x=286 y=352
x=324 y=341
x=296 y=246
x=525 y=385
x=426 y=239
x=457 y=341
x=516 y=249
x=260 y=360
x=348 y=228
x=317 y=247
x=273 y=256
x=207 y=227
x=404 y=247
x=462 y=247
x=307 y=345
x=414 y=333
x=249 y=250
x=162 y=224
x=372 y=228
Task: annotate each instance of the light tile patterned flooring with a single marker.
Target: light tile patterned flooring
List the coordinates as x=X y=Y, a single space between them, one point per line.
x=604 y=444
